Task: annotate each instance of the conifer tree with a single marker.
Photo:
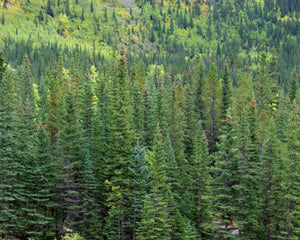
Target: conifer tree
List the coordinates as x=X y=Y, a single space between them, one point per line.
x=212 y=98
x=10 y=223
x=226 y=93
x=91 y=223
x=49 y=10
x=249 y=169
x=149 y=117
x=273 y=178
x=120 y=144
x=70 y=156
x=172 y=171
x=154 y=223
x=139 y=185
x=293 y=87
x=293 y=184
x=31 y=195
x=243 y=94
x=199 y=87
x=200 y=184
x=138 y=111
x=227 y=179
x=68 y=8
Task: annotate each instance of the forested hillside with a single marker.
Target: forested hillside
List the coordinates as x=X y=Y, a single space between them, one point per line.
x=159 y=119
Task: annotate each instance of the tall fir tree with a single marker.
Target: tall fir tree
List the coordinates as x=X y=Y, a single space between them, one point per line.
x=69 y=160
x=154 y=223
x=120 y=144
x=212 y=98
x=10 y=168
x=227 y=179
x=139 y=183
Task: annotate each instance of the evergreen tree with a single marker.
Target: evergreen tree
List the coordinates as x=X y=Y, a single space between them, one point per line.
x=293 y=87
x=200 y=185
x=212 y=97
x=120 y=144
x=154 y=223
x=274 y=176
x=70 y=156
x=227 y=179
x=293 y=221
x=249 y=169
x=226 y=93
x=199 y=86
x=49 y=10
x=3 y=19
x=10 y=168
x=92 y=6
x=91 y=224
x=68 y=8
x=139 y=184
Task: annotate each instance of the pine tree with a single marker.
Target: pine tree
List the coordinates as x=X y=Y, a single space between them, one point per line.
x=199 y=86
x=249 y=169
x=49 y=10
x=31 y=196
x=92 y=6
x=243 y=94
x=293 y=87
x=68 y=8
x=293 y=184
x=172 y=171
x=70 y=156
x=120 y=144
x=139 y=184
x=274 y=175
x=91 y=224
x=138 y=111
x=154 y=223
x=265 y=91
x=227 y=179
x=212 y=98
x=200 y=184
x=2 y=19
x=226 y=93
x=10 y=223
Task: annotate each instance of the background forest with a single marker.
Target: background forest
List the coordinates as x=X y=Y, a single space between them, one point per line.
x=159 y=119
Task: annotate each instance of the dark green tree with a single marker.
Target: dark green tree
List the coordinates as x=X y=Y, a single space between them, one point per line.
x=154 y=223
x=139 y=185
x=70 y=155
x=49 y=10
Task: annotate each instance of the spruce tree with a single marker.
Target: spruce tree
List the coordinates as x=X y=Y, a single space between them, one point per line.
x=91 y=223
x=293 y=87
x=227 y=179
x=10 y=168
x=70 y=155
x=199 y=87
x=154 y=223
x=200 y=184
x=139 y=185
x=226 y=93
x=212 y=98
x=293 y=184
x=119 y=147
x=249 y=169
x=49 y=10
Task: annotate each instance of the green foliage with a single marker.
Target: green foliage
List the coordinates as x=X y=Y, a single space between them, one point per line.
x=70 y=119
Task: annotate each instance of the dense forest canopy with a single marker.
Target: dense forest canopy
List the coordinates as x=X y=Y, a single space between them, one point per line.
x=159 y=119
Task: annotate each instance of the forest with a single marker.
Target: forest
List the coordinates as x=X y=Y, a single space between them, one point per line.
x=149 y=119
